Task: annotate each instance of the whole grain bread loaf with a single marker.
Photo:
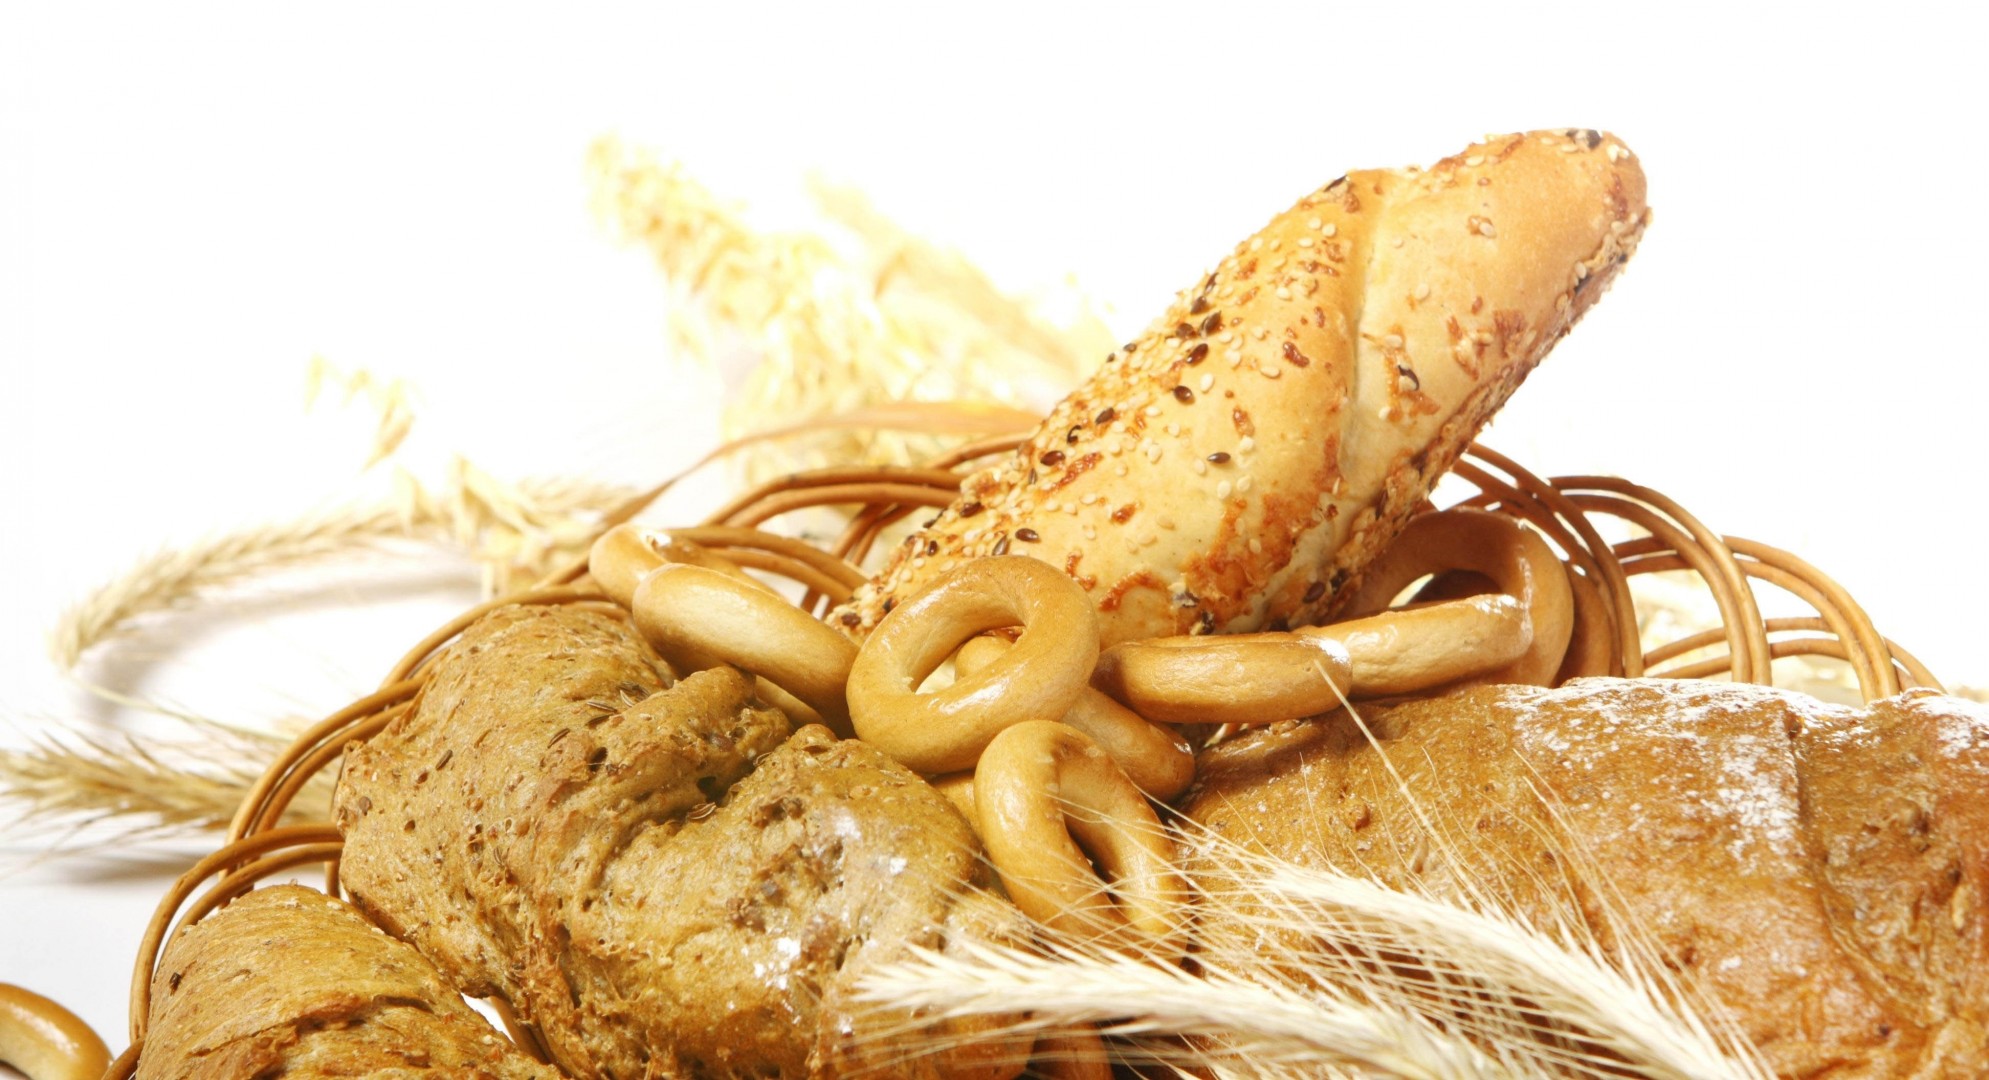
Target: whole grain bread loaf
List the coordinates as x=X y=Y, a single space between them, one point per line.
x=287 y=981
x=1822 y=870
x=660 y=875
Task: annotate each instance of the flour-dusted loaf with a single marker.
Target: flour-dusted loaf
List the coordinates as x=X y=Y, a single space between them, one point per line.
x=1822 y=870
x=1237 y=465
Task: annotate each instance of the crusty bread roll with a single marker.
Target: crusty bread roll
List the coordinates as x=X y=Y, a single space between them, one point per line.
x=1824 y=871
x=663 y=877
x=289 y=982
x=1237 y=465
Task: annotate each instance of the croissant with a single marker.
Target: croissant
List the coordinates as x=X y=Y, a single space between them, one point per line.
x=1237 y=465
x=1822 y=870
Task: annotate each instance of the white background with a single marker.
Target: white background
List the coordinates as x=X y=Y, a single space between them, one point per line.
x=196 y=201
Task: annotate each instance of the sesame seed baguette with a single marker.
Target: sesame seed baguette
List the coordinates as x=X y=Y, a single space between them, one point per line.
x=1238 y=465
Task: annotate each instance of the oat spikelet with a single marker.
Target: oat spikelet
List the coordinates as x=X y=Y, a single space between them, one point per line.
x=893 y=321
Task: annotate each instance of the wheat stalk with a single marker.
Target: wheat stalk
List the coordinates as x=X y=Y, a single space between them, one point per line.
x=1318 y=971
x=505 y=525
x=897 y=320
x=145 y=786
x=1256 y=1021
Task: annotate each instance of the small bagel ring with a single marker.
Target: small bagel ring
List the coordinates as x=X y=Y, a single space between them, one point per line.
x=1041 y=790
x=1156 y=759
x=1514 y=557
x=46 y=1041
x=1226 y=678
x=1041 y=676
x=696 y=617
x=1412 y=649
x=625 y=554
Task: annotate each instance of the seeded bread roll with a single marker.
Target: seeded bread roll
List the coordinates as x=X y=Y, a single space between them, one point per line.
x=1237 y=465
x=1824 y=871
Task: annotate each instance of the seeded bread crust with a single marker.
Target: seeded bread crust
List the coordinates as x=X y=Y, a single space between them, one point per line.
x=1239 y=464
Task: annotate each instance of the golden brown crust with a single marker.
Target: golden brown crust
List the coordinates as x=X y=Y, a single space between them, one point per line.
x=290 y=981
x=1821 y=870
x=556 y=823
x=1237 y=465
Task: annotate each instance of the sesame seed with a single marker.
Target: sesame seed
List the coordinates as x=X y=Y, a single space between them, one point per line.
x=1391 y=341
x=1423 y=291
x=1088 y=498
x=1330 y=230
x=1284 y=293
x=1201 y=468
x=1208 y=380
x=1243 y=484
x=1153 y=451
x=1149 y=539
x=1173 y=430
x=1246 y=444
x=1119 y=470
x=1269 y=372
x=1256 y=546
x=1225 y=337
x=1052 y=506
x=1475 y=160
x=1313 y=224
x=1223 y=489
x=1397 y=243
x=1152 y=410
x=1305 y=241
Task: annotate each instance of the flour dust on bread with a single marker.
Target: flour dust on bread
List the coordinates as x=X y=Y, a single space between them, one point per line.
x=1821 y=871
x=1234 y=467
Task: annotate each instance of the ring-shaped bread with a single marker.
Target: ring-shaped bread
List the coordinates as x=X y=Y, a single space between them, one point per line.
x=697 y=618
x=1516 y=560
x=1039 y=678
x=1045 y=795
x=1226 y=678
x=1157 y=759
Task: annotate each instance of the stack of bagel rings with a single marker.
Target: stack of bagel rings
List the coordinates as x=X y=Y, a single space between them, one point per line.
x=1055 y=750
